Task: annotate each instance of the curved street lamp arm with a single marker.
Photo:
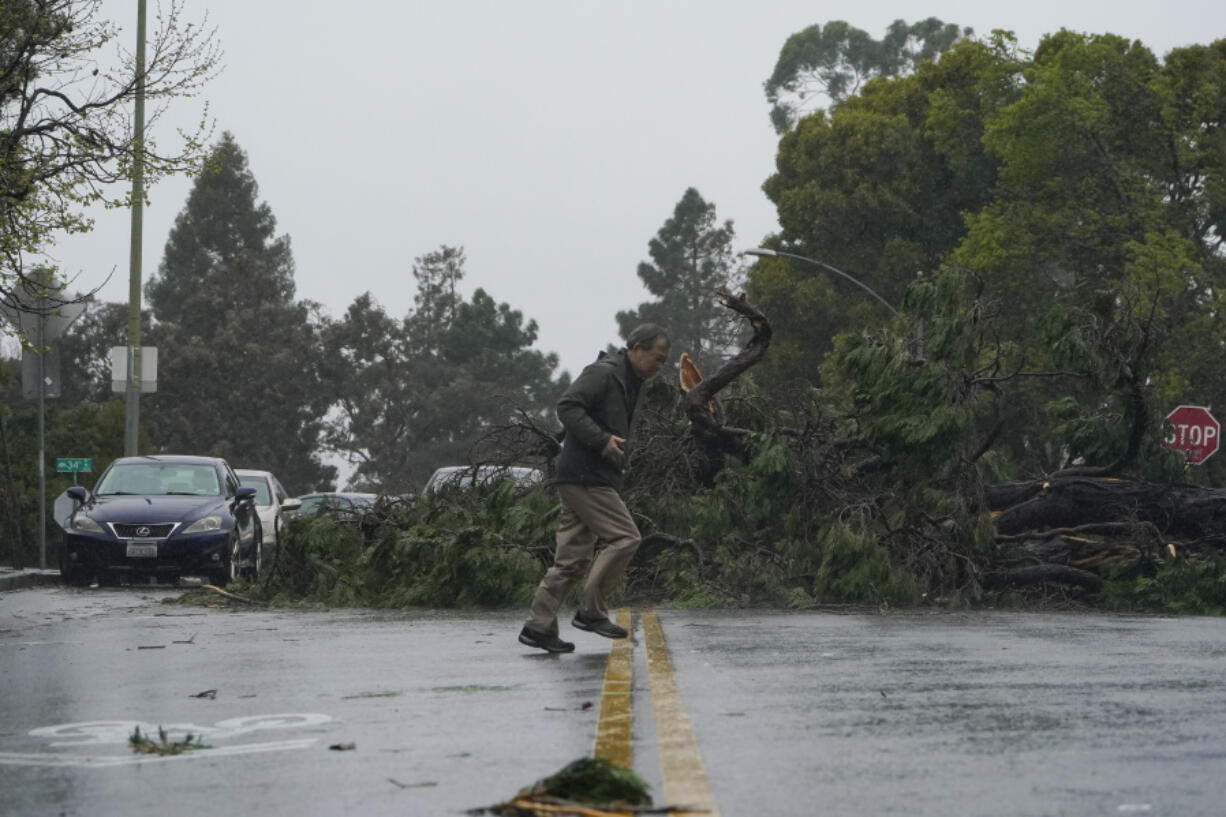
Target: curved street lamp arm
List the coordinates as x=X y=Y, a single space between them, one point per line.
x=765 y=253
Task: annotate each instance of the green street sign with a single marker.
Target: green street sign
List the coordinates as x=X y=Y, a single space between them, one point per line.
x=74 y=465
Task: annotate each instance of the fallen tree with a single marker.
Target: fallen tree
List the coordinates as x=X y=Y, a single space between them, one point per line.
x=1072 y=530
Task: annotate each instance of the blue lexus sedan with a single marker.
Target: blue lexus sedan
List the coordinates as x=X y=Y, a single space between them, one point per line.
x=163 y=517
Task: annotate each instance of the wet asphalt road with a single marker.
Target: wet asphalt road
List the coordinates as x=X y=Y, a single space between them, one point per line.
x=795 y=713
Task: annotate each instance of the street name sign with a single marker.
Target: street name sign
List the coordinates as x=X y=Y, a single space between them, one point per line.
x=76 y=465
x=1194 y=431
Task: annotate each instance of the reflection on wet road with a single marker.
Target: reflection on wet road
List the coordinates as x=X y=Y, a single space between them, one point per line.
x=790 y=713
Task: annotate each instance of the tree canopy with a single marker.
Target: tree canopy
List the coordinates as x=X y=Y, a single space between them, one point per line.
x=691 y=256
x=834 y=61
x=413 y=394
x=66 y=137
x=1075 y=193
x=239 y=359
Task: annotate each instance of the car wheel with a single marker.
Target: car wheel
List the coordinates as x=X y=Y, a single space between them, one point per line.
x=236 y=558
x=72 y=574
x=229 y=570
x=257 y=559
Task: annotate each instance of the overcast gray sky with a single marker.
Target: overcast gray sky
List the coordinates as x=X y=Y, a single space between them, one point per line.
x=551 y=139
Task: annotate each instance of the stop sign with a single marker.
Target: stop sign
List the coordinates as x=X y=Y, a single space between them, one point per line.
x=1194 y=432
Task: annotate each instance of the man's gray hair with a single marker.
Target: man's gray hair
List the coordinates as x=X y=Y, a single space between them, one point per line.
x=646 y=335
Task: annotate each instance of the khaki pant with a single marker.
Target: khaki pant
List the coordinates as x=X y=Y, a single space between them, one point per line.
x=590 y=514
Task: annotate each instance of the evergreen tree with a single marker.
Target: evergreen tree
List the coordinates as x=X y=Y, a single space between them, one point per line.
x=691 y=256
x=415 y=394
x=238 y=357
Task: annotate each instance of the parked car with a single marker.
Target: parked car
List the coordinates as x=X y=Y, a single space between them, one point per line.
x=165 y=517
x=464 y=476
x=343 y=503
x=271 y=502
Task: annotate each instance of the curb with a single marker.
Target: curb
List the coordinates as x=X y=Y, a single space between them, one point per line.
x=21 y=579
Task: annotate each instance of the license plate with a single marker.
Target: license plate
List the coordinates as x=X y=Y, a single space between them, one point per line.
x=142 y=550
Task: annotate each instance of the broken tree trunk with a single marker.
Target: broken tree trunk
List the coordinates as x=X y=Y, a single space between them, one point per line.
x=1178 y=512
x=716 y=437
x=1067 y=530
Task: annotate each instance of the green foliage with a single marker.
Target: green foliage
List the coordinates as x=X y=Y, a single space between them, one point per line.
x=244 y=380
x=436 y=552
x=163 y=745
x=415 y=394
x=91 y=430
x=1193 y=585
x=691 y=256
x=1077 y=190
x=857 y=569
x=68 y=138
x=835 y=61
x=593 y=780
x=879 y=188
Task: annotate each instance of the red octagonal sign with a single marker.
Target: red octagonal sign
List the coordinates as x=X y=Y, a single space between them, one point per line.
x=1194 y=432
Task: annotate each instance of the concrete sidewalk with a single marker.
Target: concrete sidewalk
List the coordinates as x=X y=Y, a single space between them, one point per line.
x=14 y=579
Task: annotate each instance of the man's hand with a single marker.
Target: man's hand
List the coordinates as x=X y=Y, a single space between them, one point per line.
x=613 y=447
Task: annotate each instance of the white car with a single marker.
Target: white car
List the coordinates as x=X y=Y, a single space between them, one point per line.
x=272 y=503
x=463 y=476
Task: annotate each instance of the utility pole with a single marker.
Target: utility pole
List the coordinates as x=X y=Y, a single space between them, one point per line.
x=131 y=436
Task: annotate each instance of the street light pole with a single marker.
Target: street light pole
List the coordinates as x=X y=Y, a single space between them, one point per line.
x=131 y=435
x=762 y=252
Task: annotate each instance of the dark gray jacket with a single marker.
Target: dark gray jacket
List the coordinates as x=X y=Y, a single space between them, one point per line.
x=600 y=402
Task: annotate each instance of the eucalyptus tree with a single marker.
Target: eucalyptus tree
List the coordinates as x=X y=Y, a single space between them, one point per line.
x=1072 y=200
x=833 y=62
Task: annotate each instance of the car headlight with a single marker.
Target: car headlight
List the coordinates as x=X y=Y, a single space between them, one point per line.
x=204 y=523
x=83 y=522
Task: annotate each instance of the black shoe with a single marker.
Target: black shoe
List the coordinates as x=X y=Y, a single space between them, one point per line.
x=549 y=643
x=599 y=626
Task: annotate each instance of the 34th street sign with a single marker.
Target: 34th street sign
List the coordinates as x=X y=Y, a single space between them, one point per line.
x=76 y=465
x=1194 y=431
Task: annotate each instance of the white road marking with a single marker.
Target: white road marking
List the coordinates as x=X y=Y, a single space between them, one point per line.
x=65 y=759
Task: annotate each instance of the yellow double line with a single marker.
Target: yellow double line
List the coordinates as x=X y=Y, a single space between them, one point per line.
x=682 y=770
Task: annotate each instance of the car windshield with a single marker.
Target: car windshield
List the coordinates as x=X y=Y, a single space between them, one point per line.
x=461 y=476
x=262 y=495
x=159 y=478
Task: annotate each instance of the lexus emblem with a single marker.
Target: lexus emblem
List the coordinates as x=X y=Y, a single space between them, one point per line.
x=143 y=531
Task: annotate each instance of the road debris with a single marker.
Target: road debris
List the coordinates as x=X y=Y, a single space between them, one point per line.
x=230 y=595
x=163 y=746
x=426 y=785
x=211 y=694
x=588 y=787
x=343 y=747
